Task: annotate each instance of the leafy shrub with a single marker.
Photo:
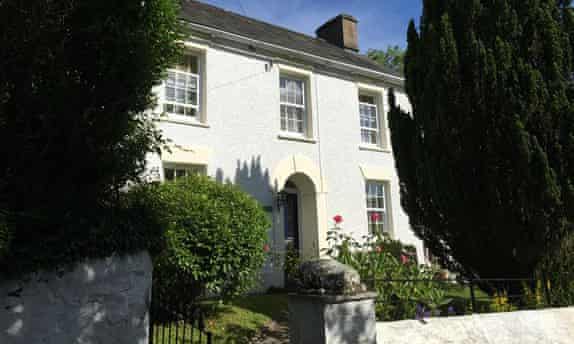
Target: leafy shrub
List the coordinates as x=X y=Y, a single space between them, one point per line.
x=215 y=239
x=80 y=134
x=558 y=269
x=4 y=236
x=386 y=265
x=129 y=227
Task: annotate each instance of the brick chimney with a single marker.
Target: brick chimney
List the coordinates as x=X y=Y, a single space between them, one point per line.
x=340 y=31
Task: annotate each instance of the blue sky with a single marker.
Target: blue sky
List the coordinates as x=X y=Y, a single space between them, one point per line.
x=381 y=22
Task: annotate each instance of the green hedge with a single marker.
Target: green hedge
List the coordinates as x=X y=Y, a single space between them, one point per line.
x=4 y=236
x=558 y=268
x=215 y=239
x=127 y=227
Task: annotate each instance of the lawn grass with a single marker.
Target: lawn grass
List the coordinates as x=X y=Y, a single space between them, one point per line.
x=236 y=322
x=244 y=317
x=461 y=300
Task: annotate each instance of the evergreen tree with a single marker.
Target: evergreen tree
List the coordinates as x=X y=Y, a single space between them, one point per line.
x=75 y=79
x=486 y=156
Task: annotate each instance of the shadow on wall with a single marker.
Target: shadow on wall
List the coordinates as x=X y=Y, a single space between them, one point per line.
x=251 y=178
x=101 y=301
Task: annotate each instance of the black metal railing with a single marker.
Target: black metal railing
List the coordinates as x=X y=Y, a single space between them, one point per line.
x=400 y=299
x=173 y=322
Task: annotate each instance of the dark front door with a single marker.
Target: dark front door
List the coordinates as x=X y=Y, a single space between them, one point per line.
x=291 y=212
x=291 y=221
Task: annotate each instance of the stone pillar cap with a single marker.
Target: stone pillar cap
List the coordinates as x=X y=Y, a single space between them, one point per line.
x=329 y=277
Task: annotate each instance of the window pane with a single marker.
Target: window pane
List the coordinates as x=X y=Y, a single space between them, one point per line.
x=172 y=172
x=180 y=96
x=367 y=99
x=291 y=91
x=190 y=112
x=368 y=120
x=168 y=108
x=375 y=195
x=188 y=64
x=300 y=127
x=170 y=78
x=170 y=94
x=169 y=173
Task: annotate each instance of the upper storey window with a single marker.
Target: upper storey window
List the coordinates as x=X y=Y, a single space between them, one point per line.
x=181 y=89
x=293 y=105
x=370 y=126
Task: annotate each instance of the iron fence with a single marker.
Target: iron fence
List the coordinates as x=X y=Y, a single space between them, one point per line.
x=173 y=322
x=400 y=299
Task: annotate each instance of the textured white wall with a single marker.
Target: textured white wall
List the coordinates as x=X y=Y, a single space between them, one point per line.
x=100 y=301
x=549 y=326
x=243 y=118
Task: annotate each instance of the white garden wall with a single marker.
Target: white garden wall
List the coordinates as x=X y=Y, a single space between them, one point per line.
x=100 y=301
x=551 y=326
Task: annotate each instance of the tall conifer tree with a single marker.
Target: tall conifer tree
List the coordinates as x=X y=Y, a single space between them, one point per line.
x=486 y=156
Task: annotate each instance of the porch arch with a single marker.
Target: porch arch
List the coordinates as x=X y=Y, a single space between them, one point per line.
x=307 y=177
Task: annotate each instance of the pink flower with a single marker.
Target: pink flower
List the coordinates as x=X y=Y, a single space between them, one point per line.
x=375 y=217
x=266 y=248
x=404 y=259
x=338 y=219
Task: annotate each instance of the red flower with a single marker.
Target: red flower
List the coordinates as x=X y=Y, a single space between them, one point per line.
x=375 y=217
x=338 y=219
x=404 y=259
x=266 y=248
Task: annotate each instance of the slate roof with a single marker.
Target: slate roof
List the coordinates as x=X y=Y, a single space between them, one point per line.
x=215 y=17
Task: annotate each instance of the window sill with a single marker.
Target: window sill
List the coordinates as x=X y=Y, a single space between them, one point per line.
x=374 y=149
x=296 y=138
x=190 y=122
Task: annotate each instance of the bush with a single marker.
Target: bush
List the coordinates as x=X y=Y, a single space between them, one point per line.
x=127 y=228
x=558 y=269
x=215 y=239
x=382 y=261
x=72 y=135
x=4 y=236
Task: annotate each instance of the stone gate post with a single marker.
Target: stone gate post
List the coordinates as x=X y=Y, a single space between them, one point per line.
x=331 y=306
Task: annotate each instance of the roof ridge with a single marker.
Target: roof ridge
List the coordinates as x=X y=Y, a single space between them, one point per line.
x=218 y=18
x=270 y=24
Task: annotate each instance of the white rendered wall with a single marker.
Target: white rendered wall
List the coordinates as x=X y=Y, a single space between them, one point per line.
x=548 y=326
x=243 y=119
x=96 y=301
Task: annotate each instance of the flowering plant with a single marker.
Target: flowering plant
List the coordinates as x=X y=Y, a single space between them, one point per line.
x=387 y=266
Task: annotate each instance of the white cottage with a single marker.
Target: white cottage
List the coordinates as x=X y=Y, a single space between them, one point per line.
x=298 y=122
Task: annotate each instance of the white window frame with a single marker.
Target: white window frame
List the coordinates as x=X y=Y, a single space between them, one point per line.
x=378 y=129
x=199 y=89
x=303 y=107
x=188 y=168
x=385 y=222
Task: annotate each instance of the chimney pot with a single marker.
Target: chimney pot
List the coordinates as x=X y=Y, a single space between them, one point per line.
x=340 y=31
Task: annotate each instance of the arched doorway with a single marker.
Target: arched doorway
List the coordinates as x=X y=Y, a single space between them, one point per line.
x=298 y=222
x=298 y=215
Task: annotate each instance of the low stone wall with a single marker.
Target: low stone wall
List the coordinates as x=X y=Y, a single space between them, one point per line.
x=100 y=301
x=554 y=326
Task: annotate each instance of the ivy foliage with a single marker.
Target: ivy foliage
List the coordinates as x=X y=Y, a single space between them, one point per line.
x=486 y=157
x=215 y=239
x=75 y=80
